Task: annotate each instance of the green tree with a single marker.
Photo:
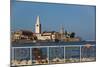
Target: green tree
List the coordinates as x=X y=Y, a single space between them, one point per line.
x=72 y=35
x=35 y=38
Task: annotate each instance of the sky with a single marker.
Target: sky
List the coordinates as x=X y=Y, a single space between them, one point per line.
x=74 y=18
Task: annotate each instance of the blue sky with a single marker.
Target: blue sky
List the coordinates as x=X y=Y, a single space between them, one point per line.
x=75 y=18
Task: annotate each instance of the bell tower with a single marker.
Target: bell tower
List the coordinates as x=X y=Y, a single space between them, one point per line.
x=38 y=25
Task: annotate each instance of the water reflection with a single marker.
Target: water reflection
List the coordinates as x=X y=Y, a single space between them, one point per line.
x=56 y=54
x=21 y=56
x=72 y=54
x=88 y=53
x=39 y=55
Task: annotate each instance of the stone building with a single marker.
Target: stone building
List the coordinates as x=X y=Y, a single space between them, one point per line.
x=23 y=34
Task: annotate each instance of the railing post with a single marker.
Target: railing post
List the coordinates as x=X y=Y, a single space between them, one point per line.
x=48 y=54
x=12 y=50
x=64 y=55
x=12 y=55
x=31 y=54
x=80 y=53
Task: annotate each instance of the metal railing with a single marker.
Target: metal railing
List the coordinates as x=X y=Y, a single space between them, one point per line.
x=52 y=54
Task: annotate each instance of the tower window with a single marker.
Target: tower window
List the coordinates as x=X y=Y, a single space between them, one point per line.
x=37 y=25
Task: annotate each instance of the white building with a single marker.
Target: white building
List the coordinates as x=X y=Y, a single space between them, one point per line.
x=38 y=31
x=44 y=35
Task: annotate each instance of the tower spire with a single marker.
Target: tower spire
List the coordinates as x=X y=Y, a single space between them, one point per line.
x=38 y=20
x=38 y=25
